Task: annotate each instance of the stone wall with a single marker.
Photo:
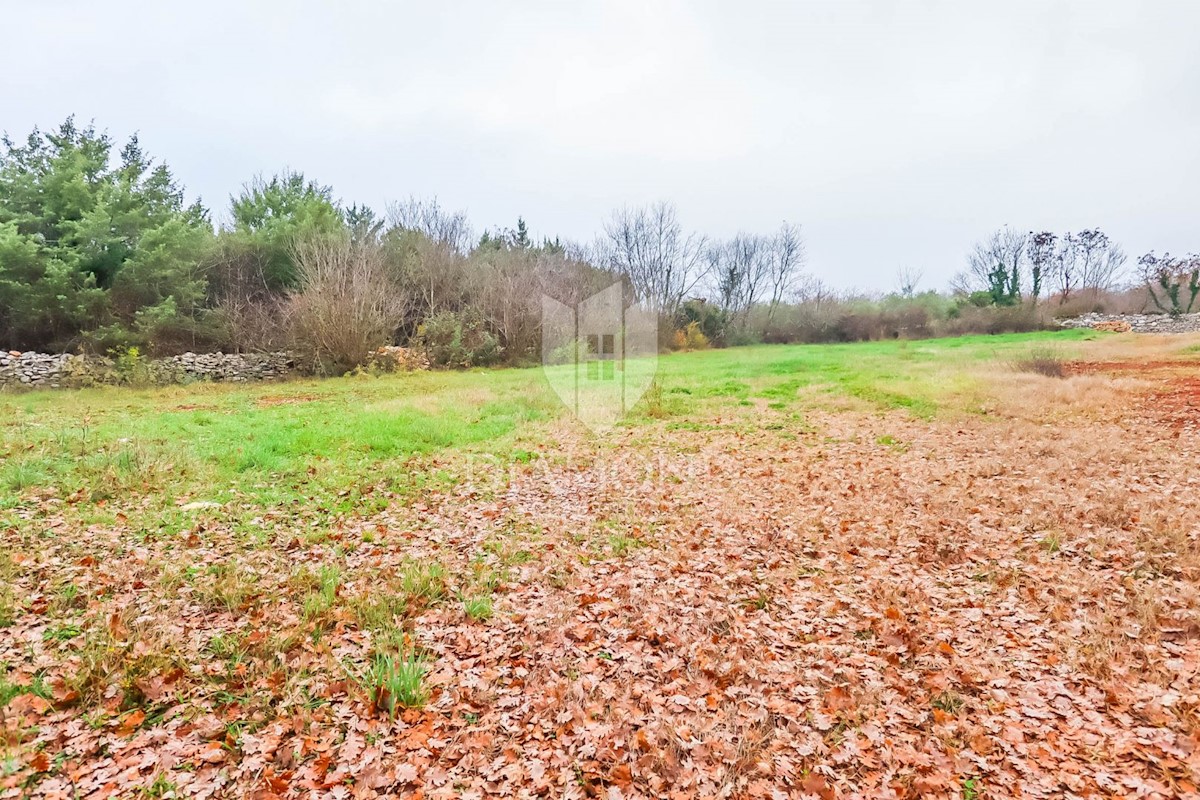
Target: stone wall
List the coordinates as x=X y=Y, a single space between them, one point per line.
x=1139 y=323
x=44 y=370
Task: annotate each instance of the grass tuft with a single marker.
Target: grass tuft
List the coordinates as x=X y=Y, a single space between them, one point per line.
x=425 y=583
x=395 y=682
x=478 y=608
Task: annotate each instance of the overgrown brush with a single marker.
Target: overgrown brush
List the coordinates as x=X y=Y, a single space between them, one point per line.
x=347 y=305
x=1047 y=361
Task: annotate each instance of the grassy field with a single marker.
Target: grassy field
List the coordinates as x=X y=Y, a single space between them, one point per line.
x=275 y=443
x=904 y=567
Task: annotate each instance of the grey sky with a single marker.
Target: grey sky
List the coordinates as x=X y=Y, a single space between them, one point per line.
x=895 y=133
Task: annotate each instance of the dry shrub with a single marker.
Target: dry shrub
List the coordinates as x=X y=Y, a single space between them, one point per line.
x=690 y=337
x=1047 y=361
x=246 y=307
x=347 y=305
x=993 y=319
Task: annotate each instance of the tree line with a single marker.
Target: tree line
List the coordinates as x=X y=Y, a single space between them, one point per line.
x=100 y=252
x=1009 y=268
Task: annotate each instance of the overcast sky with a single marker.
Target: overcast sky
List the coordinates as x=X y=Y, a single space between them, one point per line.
x=895 y=133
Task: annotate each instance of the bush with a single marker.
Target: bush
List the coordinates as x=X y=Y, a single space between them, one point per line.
x=713 y=321
x=568 y=352
x=132 y=368
x=346 y=307
x=690 y=338
x=992 y=320
x=1046 y=361
x=458 y=339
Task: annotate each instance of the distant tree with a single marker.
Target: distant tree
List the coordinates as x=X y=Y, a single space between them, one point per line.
x=1042 y=248
x=649 y=245
x=907 y=281
x=363 y=224
x=1167 y=278
x=272 y=215
x=994 y=268
x=429 y=218
x=1088 y=261
x=1100 y=260
x=520 y=237
x=740 y=268
x=786 y=259
x=1064 y=267
x=553 y=246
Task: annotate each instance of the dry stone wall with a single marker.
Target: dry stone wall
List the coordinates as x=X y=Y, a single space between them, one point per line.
x=51 y=371
x=1139 y=323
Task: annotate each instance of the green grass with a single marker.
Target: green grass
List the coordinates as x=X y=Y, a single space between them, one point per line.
x=424 y=583
x=332 y=444
x=395 y=682
x=478 y=608
x=9 y=690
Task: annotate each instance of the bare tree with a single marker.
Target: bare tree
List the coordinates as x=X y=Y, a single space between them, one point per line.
x=431 y=273
x=995 y=265
x=1100 y=260
x=1064 y=267
x=664 y=263
x=787 y=257
x=907 y=280
x=508 y=294
x=429 y=218
x=740 y=267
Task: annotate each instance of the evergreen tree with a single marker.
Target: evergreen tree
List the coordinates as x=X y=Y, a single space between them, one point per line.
x=521 y=236
x=269 y=216
x=72 y=223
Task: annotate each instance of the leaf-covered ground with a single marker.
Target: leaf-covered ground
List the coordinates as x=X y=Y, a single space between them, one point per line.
x=779 y=594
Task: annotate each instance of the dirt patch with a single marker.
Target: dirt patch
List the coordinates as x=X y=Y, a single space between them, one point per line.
x=194 y=407
x=1176 y=399
x=1179 y=404
x=1125 y=367
x=285 y=400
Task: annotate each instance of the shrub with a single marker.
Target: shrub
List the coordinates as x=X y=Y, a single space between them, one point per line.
x=690 y=338
x=131 y=367
x=346 y=307
x=712 y=320
x=458 y=339
x=568 y=353
x=1046 y=361
x=992 y=320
